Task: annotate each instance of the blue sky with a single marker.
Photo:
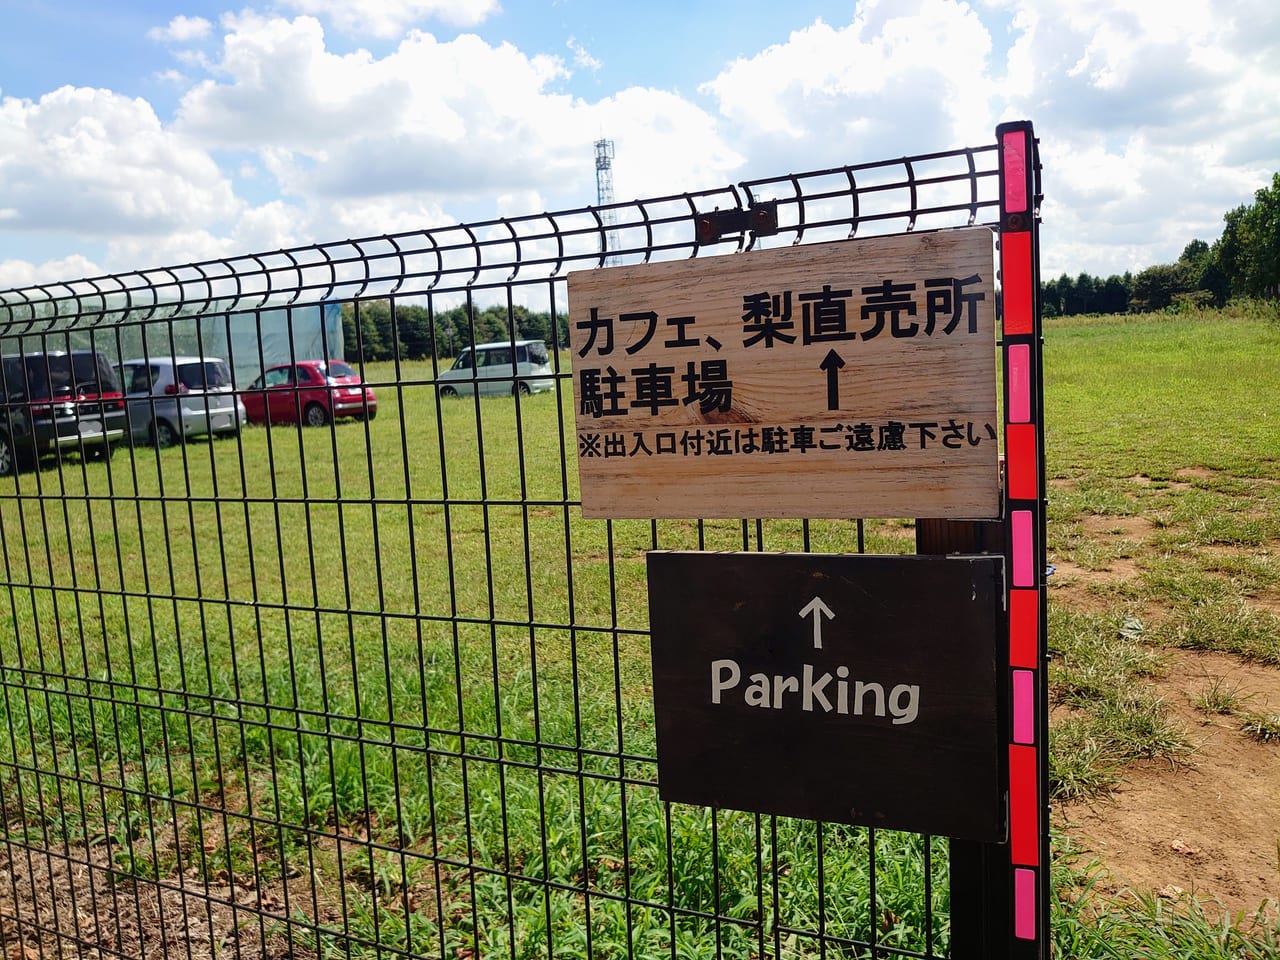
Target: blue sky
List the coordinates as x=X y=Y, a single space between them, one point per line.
x=139 y=134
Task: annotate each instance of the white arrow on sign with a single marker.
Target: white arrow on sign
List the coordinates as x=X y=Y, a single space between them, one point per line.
x=818 y=610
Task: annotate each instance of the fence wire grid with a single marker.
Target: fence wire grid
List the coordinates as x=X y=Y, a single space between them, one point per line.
x=373 y=686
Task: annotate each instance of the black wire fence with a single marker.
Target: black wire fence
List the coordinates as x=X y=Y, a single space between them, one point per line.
x=292 y=665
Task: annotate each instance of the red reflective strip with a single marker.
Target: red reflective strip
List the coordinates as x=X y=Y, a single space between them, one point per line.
x=1015 y=282
x=1024 y=842
x=1015 y=171
x=1021 y=469
x=1024 y=628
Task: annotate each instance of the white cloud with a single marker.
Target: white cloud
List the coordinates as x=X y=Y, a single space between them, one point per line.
x=96 y=163
x=389 y=18
x=902 y=76
x=181 y=30
x=1151 y=127
x=582 y=56
x=15 y=274
x=455 y=121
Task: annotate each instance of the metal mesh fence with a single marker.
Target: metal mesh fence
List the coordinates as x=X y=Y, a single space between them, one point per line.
x=359 y=679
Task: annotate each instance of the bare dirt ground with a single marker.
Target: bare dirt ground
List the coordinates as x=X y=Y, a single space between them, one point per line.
x=1209 y=827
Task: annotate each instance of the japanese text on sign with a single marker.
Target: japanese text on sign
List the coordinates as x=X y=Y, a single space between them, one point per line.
x=826 y=354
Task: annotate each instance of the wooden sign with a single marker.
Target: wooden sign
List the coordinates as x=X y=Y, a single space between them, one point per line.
x=852 y=689
x=848 y=379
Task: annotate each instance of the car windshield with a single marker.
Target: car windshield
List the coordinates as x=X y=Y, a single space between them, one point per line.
x=206 y=375
x=336 y=368
x=538 y=353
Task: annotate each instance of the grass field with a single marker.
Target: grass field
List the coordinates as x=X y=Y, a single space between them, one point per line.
x=394 y=660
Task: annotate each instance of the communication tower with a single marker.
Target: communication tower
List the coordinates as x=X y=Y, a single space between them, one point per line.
x=604 y=198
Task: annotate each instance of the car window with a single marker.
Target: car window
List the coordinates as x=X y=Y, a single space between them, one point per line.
x=48 y=376
x=278 y=377
x=337 y=369
x=206 y=375
x=11 y=372
x=137 y=378
x=538 y=353
x=499 y=358
x=464 y=361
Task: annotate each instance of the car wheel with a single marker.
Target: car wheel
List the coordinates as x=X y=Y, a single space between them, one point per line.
x=521 y=388
x=448 y=392
x=8 y=461
x=315 y=415
x=163 y=435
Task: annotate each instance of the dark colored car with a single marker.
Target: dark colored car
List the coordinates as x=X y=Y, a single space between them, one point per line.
x=58 y=401
x=312 y=392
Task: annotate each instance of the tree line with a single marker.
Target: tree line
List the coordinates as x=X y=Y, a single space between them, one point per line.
x=383 y=330
x=1243 y=262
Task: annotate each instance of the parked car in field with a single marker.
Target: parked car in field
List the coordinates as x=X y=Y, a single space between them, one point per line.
x=175 y=398
x=56 y=401
x=504 y=367
x=312 y=392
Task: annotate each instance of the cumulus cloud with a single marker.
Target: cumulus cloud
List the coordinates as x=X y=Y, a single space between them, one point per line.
x=461 y=120
x=1150 y=128
x=181 y=30
x=94 y=163
x=902 y=77
x=389 y=18
x=15 y=274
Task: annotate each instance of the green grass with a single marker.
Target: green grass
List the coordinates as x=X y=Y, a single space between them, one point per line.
x=393 y=657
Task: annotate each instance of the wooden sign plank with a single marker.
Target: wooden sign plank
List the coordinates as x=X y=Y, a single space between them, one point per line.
x=847 y=379
x=851 y=689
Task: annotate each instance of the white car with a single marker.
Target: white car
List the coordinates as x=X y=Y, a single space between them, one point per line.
x=174 y=398
x=505 y=367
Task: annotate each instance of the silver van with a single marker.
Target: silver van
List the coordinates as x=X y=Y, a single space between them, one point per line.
x=504 y=367
x=173 y=398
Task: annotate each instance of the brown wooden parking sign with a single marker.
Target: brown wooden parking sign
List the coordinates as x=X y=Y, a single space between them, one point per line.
x=852 y=689
x=847 y=379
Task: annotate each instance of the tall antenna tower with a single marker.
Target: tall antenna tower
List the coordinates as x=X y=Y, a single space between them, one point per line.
x=604 y=198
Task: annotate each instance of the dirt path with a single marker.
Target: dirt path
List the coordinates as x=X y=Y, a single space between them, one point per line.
x=1212 y=827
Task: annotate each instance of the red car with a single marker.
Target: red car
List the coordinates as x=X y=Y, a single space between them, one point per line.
x=312 y=392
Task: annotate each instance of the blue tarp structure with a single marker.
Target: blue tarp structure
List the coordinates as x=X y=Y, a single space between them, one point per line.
x=250 y=342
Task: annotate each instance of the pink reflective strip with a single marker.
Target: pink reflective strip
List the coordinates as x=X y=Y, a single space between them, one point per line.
x=1024 y=707
x=1024 y=904
x=1015 y=172
x=1024 y=554
x=1020 y=383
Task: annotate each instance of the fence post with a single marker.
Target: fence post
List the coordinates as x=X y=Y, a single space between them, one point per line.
x=1000 y=892
x=980 y=902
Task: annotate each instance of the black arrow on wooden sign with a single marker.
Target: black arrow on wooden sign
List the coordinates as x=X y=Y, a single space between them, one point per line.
x=832 y=363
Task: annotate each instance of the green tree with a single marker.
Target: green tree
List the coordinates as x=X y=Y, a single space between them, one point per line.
x=362 y=340
x=1248 y=252
x=1156 y=287
x=413 y=327
x=1113 y=294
